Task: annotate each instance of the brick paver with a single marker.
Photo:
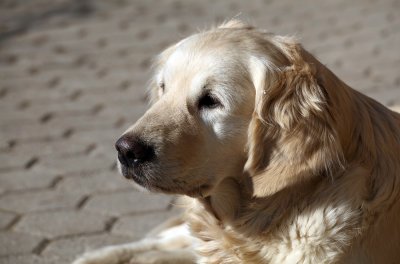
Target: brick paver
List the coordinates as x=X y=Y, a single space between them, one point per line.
x=6 y=218
x=102 y=182
x=66 y=248
x=55 y=224
x=122 y=203
x=16 y=243
x=137 y=226
x=26 y=202
x=72 y=78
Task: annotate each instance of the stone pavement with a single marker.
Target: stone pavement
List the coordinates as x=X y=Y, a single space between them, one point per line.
x=73 y=76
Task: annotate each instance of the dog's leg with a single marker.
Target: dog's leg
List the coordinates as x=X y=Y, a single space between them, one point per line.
x=171 y=245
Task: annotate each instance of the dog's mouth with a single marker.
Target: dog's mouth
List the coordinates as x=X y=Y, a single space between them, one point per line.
x=200 y=191
x=135 y=173
x=139 y=176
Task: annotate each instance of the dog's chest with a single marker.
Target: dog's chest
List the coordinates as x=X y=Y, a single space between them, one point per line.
x=313 y=236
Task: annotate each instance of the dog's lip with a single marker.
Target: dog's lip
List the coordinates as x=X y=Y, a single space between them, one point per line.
x=142 y=181
x=202 y=190
x=130 y=174
x=198 y=192
x=135 y=178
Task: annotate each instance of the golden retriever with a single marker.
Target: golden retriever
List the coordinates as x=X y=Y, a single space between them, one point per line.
x=280 y=161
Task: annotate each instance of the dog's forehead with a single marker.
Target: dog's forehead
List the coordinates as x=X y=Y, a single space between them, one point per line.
x=178 y=59
x=201 y=61
x=195 y=54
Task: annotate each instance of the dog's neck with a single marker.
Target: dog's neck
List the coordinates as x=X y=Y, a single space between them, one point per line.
x=226 y=199
x=233 y=203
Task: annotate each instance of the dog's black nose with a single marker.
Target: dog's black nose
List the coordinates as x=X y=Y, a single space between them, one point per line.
x=133 y=151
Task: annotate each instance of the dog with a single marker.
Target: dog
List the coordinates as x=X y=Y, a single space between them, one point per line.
x=279 y=160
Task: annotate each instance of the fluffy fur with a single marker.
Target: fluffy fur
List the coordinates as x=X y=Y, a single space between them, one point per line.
x=292 y=166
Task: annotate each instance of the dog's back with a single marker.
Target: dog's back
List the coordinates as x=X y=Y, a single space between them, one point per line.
x=380 y=242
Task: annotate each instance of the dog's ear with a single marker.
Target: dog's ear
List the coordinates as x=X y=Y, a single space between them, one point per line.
x=293 y=97
x=290 y=94
x=292 y=123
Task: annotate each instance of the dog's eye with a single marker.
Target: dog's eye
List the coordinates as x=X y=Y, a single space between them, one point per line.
x=209 y=101
x=162 y=86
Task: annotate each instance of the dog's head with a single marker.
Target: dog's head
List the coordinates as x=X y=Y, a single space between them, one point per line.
x=223 y=98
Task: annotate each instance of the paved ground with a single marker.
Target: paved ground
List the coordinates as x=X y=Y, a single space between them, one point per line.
x=72 y=78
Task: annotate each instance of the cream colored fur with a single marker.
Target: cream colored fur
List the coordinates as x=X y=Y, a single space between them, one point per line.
x=293 y=166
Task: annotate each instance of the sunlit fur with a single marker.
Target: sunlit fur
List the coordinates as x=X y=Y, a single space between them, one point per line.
x=322 y=172
x=296 y=167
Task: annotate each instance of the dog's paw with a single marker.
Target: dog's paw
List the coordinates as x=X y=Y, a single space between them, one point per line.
x=107 y=255
x=118 y=255
x=169 y=246
x=164 y=257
